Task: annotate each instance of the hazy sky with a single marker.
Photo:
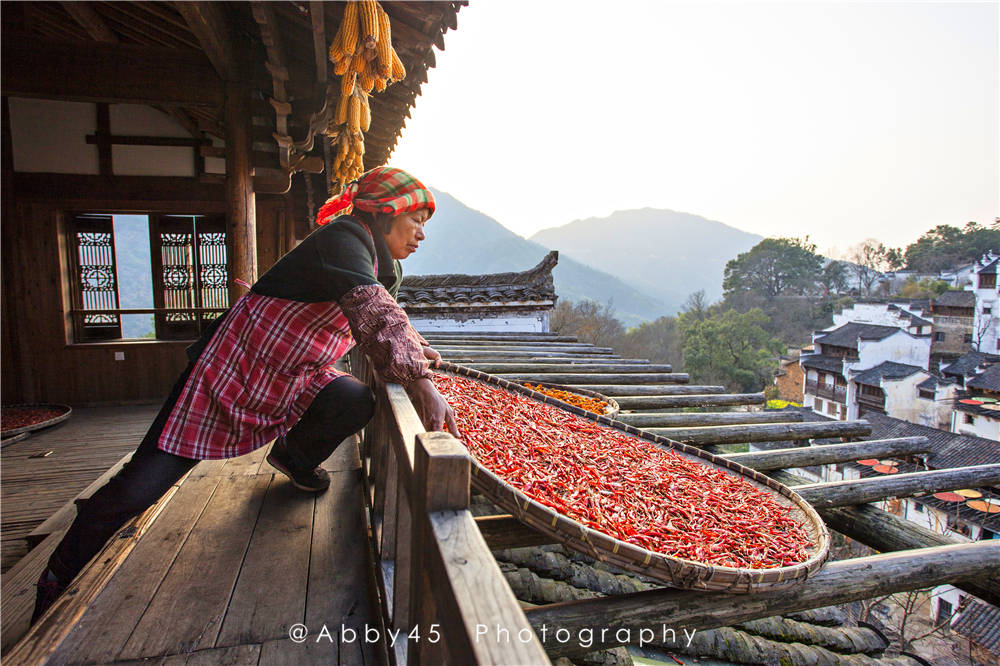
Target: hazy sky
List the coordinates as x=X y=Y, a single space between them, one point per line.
x=842 y=121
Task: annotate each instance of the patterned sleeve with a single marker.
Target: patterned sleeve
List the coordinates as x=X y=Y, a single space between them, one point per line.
x=383 y=332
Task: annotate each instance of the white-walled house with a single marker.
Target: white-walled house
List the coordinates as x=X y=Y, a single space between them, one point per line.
x=934 y=402
x=986 y=322
x=913 y=317
x=977 y=410
x=852 y=348
x=496 y=302
x=889 y=388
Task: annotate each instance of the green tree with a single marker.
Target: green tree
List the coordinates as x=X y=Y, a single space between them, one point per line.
x=589 y=321
x=833 y=278
x=926 y=288
x=946 y=246
x=730 y=348
x=658 y=340
x=773 y=267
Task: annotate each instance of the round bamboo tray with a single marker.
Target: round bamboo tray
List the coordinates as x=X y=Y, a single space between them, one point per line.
x=610 y=411
x=686 y=574
x=66 y=412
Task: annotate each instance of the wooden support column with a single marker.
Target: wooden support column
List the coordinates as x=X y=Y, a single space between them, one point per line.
x=240 y=198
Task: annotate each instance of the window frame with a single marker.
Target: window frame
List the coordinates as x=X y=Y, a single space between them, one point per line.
x=76 y=311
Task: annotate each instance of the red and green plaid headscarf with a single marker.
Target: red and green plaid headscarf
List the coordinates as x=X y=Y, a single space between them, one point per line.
x=380 y=190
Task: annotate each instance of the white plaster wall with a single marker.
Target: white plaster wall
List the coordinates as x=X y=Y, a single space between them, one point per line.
x=534 y=323
x=49 y=136
x=152 y=161
x=899 y=347
x=986 y=327
x=983 y=426
x=901 y=399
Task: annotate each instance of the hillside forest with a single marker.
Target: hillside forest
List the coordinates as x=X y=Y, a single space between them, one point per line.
x=774 y=296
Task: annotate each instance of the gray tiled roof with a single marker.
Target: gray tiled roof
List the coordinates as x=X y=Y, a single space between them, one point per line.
x=849 y=334
x=990 y=267
x=988 y=379
x=966 y=364
x=454 y=289
x=956 y=299
x=822 y=362
x=885 y=370
x=980 y=622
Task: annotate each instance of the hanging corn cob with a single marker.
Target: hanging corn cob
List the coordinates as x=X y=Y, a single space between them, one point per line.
x=363 y=56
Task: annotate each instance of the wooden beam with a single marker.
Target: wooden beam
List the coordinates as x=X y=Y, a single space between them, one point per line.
x=501 y=368
x=609 y=378
x=240 y=198
x=186 y=195
x=667 y=401
x=102 y=139
x=34 y=67
x=885 y=533
x=513 y=337
x=84 y=14
x=318 y=19
x=208 y=23
x=499 y=356
x=862 y=491
x=739 y=434
x=825 y=454
x=707 y=419
x=838 y=582
x=696 y=391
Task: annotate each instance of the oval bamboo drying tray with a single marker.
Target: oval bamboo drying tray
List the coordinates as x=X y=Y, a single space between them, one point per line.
x=611 y=411
x=66 y=412
x=687 y=574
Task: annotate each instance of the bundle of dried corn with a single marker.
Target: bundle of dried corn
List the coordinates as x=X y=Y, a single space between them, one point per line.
x=363 y=56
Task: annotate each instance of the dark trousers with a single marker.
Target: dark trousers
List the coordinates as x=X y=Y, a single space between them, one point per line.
x=341 y=409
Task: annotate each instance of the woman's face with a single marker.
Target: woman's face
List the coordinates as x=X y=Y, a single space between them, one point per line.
x=407 y=232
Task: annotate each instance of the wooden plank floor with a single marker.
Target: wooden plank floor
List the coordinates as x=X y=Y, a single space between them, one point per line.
x=237 y=557
x=91 y=441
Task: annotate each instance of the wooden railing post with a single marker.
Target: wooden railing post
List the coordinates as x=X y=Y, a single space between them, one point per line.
x=458 y=594
x=440 y=483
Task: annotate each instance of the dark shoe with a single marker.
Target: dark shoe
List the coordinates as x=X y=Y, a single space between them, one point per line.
x=314 y=480
x=47 y=591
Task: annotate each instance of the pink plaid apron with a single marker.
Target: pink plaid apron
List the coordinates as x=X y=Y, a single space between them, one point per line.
x=257 y=376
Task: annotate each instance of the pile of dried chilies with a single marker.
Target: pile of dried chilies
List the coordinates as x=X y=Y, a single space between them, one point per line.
x=594 y=405
x=623 y=486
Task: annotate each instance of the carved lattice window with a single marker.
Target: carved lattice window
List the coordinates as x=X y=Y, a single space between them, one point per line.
x=96 y=295
x=189 y=275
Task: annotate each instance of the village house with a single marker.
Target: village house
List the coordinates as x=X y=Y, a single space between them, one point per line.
x=953 y=314
x=841 y=352
x=977 y=409
x=986 y=322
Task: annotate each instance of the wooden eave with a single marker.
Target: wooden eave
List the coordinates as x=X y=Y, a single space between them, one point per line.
x=177 y=56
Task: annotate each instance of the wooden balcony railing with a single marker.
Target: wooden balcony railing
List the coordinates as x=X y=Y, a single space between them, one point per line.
x=436 y=575
x=836 y=393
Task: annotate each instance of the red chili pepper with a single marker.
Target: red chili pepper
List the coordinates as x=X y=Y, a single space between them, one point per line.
x=621 y=485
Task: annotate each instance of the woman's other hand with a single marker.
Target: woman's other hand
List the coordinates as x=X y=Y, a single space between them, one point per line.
x=434 y=412
x=433 y=356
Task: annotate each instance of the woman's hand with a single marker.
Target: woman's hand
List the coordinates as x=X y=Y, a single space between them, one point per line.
x=433 y=356
x=434 y=412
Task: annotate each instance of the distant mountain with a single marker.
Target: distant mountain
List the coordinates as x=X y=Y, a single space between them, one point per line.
x=463 y=240
x=664 y=253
